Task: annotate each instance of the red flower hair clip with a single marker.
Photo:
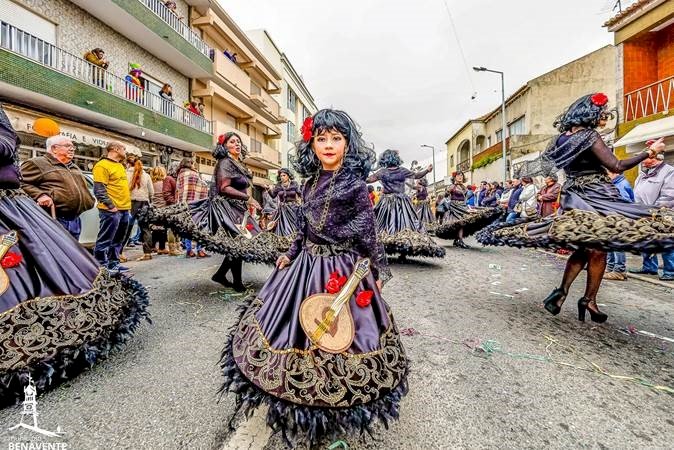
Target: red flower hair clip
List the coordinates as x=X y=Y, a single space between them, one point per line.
x=599 y=99
x=307 y=129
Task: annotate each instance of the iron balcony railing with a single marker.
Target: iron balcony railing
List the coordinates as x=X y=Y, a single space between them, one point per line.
x=35 y=49
x=652 y=99
x=161 y=10
x=463 y=166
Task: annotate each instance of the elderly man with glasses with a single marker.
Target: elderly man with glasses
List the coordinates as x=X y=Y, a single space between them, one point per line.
x=56 y=183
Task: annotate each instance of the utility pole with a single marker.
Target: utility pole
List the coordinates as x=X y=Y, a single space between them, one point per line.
x=434 y=169
x=504 y=125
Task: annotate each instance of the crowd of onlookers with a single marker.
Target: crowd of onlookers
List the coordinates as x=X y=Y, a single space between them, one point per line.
x=136 y=88
x=123 y=189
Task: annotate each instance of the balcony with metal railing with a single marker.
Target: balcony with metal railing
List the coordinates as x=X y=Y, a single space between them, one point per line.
x=463 y=166
x=152 y=25
x=655 y=98
x=33 y=64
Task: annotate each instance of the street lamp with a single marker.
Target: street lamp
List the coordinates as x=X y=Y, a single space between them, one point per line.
x=503 y=118
x=433 y=148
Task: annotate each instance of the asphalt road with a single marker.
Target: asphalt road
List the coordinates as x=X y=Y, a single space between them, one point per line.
x=491 y=368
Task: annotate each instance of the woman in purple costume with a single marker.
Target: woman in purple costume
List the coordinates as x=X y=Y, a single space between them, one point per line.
x=398 y=225
x=313 y=394
x=59 y=311
x=595 y=217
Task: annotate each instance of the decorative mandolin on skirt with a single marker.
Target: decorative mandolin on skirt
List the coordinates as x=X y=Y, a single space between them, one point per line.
x=6 y=242
x=326 y=318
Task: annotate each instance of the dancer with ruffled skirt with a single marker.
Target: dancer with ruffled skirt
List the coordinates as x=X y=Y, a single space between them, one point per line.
x=47 y=280
x=274 y=355
x=460 y=220
x=595 y=217
x=221 y=222
x=423 y=207
x=288 y=194
x=399 y=227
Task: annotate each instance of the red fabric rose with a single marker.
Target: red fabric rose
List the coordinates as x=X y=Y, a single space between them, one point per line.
x=249 y=226
x=307 y=129
x=364 y=298
x=11 y=260
x=335 y=283
x=555 y=205
x=599 y=99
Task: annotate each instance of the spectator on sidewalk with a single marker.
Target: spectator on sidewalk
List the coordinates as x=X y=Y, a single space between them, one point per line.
x=616 y=266
x=190 y=188
x=548 y=197
x=527 y=200
x=655 y=186
x=505 y=196
x=111 y=189
x=55 y=182
x=513 y=200
x=142 y=190
x=159 y=232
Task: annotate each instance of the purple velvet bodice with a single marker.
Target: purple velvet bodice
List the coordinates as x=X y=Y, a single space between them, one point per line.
x=393 y=179
x=349 y=222
x=286 y=194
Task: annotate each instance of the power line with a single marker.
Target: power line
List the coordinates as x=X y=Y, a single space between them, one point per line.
x=458 y=42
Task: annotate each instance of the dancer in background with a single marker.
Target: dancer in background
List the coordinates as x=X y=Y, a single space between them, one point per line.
x=423 y=207
x=313 y=392
x=287 y=191
x=399 y=227
x=60 y=312
x=595 y=218
x=460 y=220
x=222 y=222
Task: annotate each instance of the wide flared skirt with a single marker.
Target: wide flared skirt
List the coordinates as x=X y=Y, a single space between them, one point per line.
x=61 y=313
x=424 y=213
x=313 y=394
x=461 y=217
x=213 y=222
x=595 y=216
x=400 y=230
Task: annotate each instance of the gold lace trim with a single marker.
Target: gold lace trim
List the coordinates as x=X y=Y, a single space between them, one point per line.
x=40 y=328
x=316 y=378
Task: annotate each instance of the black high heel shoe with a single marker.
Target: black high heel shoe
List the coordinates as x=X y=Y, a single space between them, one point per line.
x=595 y=316
x=459 y=243
x=553 y=302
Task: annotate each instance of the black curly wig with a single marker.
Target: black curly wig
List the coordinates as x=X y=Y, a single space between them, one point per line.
x=291 y=177
x=220 y=151
x=358 y=157
x=390 y=158
x=584 y=112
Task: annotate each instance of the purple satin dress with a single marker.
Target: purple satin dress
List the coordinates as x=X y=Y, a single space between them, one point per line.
x=286 y=214
x=270 y=353
x=61 y=312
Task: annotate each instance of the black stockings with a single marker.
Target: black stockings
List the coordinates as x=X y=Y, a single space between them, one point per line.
x=596 y=265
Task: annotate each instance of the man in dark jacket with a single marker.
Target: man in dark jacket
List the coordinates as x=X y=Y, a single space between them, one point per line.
x=514 y=200
x=56 y=183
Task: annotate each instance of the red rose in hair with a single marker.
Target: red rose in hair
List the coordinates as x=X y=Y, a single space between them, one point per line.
x=307 y=129
x=11 y=260
x=599 y=99
x=364 y=298
x=221 y=139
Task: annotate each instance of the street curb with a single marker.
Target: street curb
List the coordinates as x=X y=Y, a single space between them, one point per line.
x=629 y=275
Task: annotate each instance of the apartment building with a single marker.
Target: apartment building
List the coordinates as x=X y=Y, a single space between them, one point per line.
x=239 y=95
x=295 y=99
x=644 y=38
x=477 y=147
x=44 y=73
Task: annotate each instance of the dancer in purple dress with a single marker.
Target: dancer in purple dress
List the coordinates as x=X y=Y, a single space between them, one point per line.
x=288 y=193
x=595 y=218
x=221 y=222
x=399 y=227
x=313 y=393
x=59 y=311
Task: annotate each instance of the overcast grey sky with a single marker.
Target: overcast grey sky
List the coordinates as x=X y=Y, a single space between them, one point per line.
x=395 y=65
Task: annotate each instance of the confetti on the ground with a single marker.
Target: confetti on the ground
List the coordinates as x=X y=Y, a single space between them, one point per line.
x=338 y=444
x=502 y=295
x=494 y=266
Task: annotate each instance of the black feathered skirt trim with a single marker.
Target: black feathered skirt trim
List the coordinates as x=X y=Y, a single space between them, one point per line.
x=585 y=229
x=299 y=423
x=459 y=216
x=411 y=243
x=53 y=339
x=215 y=229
